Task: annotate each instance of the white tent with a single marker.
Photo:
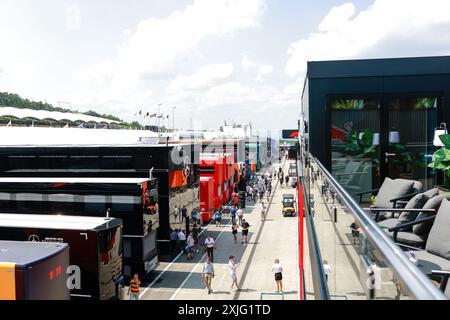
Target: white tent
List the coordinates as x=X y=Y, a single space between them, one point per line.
x=50 y=115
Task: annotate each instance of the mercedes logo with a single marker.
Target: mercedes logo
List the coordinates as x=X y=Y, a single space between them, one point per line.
x=33 y=238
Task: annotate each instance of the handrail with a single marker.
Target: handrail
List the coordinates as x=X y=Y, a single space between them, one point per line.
x=415 y=282
x=320 y=285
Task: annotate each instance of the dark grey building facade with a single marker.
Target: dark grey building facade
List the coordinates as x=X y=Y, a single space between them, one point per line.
x=371 y=119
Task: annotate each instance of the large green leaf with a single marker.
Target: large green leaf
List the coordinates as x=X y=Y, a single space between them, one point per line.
x=445 y=138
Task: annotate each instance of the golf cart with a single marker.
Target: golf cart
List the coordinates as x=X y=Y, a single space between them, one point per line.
x=288 y=205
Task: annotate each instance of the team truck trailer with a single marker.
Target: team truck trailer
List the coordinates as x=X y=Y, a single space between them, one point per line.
x=95 y=270
x=33 y=271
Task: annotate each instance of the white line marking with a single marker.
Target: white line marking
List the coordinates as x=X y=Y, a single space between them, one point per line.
x=195 y=267
x=169 y=265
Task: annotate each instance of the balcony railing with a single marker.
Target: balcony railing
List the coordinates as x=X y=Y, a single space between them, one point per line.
x=363 y=261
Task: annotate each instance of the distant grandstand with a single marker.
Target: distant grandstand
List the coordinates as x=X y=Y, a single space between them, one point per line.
x=10 y=116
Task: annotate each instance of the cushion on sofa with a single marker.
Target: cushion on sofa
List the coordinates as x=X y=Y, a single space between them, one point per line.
x=388 y=223
x=416 y=202
x=409 y=238
x=429 y=262
x=433 y=203
x=391 y=189
x=439 y=238
x=431 y=193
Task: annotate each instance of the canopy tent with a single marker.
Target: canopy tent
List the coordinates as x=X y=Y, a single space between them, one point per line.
x=50 y=115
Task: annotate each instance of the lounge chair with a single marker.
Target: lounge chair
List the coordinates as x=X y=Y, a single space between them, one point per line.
x=442 y=276
x=419 y=201
x=436 y=255
x=390 y=193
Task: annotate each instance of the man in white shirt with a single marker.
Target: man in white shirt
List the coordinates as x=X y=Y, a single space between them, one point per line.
x=209 y=243
x=240 y=214
x=190 y=246
x=175 y=214
x=208 y=274
x=232 y=267
x=182 y=238
x=327 y=269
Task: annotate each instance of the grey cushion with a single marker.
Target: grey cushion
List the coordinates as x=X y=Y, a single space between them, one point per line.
x=391 y=189
x=439 y=238
x=432 y=193
x=417 y=186
x=416 y=202
x=429 y=262
x=433 y=203
x=409 y=238
x=388 y=223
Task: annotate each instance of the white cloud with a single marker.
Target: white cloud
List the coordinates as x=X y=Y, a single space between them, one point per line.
x=260 y=69
x=388 y=28
x=157 y=44
x=202 y=78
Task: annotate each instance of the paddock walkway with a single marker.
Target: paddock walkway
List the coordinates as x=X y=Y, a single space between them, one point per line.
x=276 y=237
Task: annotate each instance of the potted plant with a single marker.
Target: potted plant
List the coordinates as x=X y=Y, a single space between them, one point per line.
x=441 y=159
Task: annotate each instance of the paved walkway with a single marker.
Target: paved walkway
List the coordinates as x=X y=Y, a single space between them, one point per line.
x=274 y=238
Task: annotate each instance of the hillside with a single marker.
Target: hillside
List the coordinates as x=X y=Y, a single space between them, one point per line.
x=14 y=100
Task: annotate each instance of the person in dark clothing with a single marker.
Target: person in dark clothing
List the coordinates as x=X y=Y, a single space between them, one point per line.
x=245 y=227
x=183 y=214
x=195 y=234
x=173 y=239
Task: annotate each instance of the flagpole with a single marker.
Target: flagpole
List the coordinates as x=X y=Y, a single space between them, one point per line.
x=159 y=121
x=173 y=123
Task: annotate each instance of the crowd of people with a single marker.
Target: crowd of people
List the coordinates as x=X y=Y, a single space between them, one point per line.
x=189 y=243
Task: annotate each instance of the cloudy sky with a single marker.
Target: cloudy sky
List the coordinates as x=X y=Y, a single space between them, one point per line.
x=215 y=60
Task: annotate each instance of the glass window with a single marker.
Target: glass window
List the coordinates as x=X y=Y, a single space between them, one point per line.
x=355 y=140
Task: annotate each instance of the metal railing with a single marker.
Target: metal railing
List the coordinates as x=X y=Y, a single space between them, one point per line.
x=416 y=283
x=321 y=291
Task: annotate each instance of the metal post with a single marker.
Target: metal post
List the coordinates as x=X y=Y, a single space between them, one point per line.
x=173 y=123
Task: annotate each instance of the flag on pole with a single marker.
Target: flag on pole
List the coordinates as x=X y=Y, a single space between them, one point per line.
x=9 y=123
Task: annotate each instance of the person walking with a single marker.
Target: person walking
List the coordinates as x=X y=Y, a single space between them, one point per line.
x=249 y=192
x=182 y=238
x=240 y=214
x=245 y=227
x=277 y=269
x=232 y=267
x=183 y=214
x=209 y=243
x=218 y=217
x=287 y=180
x=175 y=214
x=195 y=234
x=326 y=269
x=208 y=274
x=234 y=230
x=269 y=189
x=233 y=215
x=134 y=288
x=190 y=246
x=173 y=239
x=194 y=216
x=355 y=233
x=263 y=210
